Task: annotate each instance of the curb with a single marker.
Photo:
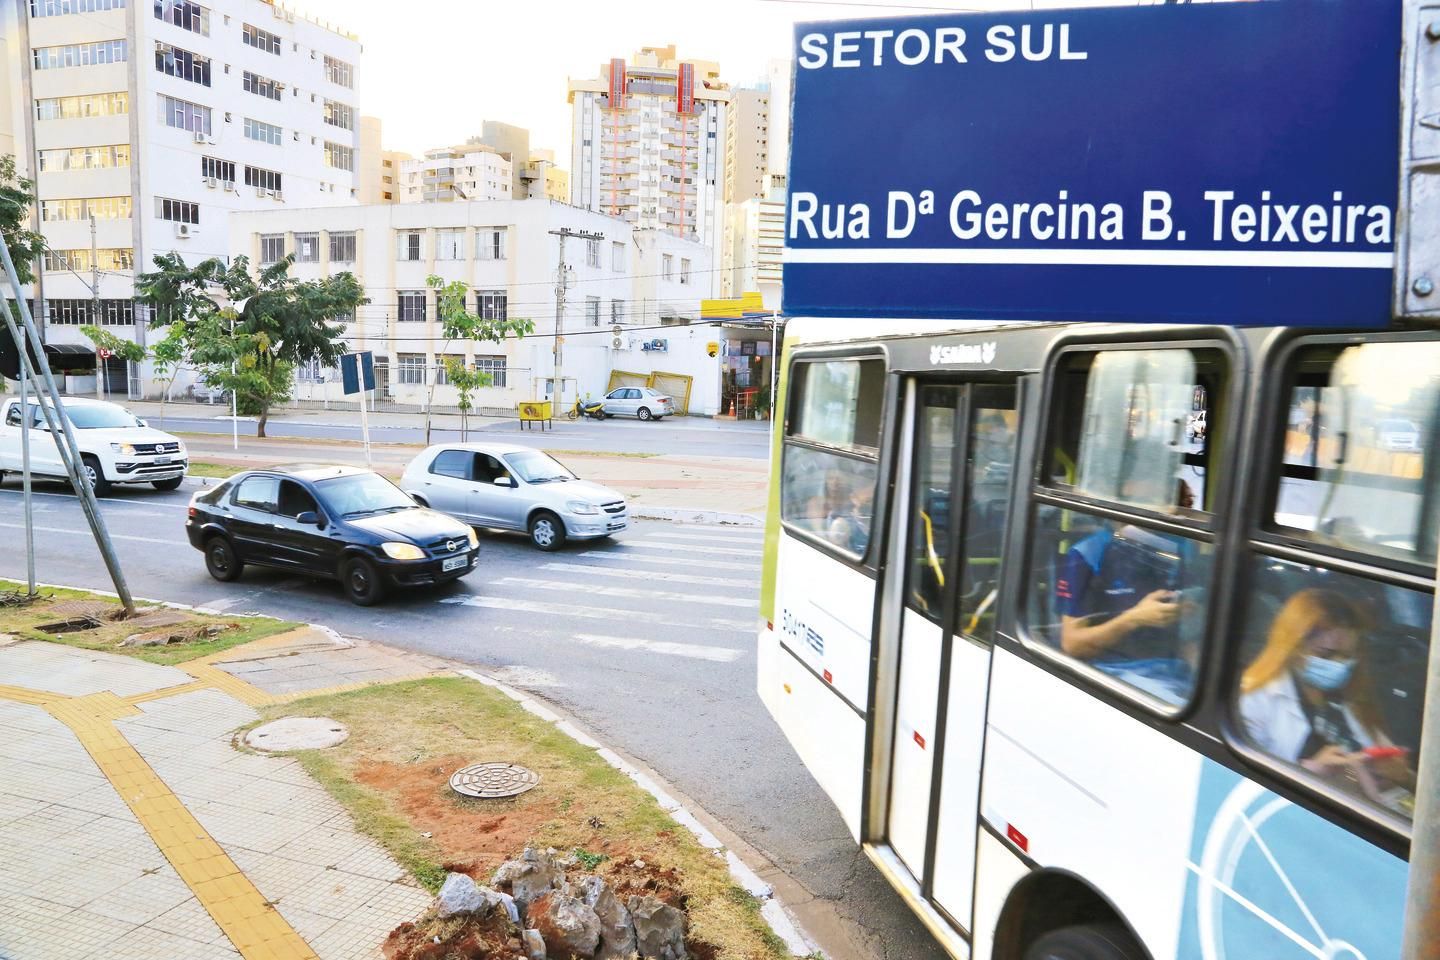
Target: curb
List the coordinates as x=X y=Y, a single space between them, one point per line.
x=772 y=910
x=691 y=515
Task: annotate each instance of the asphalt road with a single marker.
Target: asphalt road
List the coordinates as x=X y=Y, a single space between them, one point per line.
x=648 y=639
x=680 y=435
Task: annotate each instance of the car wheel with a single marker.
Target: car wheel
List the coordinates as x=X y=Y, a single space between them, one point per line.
x=362 y=582
x=547 y=531
x=91 y=473
x=643 y=413
x=1101 y=941
x=221 y=561
x=172 y=484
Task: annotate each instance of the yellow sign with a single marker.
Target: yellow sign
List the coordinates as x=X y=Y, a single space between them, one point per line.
x=534 y=409
x=712 y=348
x=732 y=309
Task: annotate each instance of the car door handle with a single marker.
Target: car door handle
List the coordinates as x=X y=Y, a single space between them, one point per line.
x=277 y=526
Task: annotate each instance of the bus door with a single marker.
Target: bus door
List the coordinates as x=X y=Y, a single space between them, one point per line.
x=956 y=506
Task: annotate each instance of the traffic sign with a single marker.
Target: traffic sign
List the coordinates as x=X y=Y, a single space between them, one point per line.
x=350 y=376
x=103 y=353
x=1202 y=163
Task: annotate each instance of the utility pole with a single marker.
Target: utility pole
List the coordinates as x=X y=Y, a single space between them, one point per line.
x=562 y=283
x=101 y=362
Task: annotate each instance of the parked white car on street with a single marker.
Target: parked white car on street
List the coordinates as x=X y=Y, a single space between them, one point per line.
x=504 y=486
x=642 y=403
x=115 y=445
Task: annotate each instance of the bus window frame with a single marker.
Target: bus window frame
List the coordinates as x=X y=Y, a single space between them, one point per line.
x=865 y=562
x=1201 y=526
x=1259 y=538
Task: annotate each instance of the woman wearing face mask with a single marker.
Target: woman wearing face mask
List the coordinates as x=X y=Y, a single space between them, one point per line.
x=1306 y=698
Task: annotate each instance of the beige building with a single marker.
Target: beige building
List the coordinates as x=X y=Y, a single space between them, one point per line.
x=752 y=259
x=747 y=144
x=378 y=169
x=648 y=144
x=467 y=171
x=757 y=158
x=543 y=178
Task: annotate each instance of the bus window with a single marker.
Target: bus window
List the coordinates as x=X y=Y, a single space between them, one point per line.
x=930 y=517
x=1132 y=426
x=832 y=439
x=1359 y=422
x=1333 y=678
x=993 y=437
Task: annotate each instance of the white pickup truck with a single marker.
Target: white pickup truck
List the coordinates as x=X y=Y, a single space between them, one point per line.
x=115 y=445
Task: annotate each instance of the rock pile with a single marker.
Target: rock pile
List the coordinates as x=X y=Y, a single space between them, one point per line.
x=563 y=919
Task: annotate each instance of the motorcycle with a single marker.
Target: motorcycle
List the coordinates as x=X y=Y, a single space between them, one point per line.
x=594 y=409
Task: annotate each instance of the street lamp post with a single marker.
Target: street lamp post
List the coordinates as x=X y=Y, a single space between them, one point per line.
x=231 y=310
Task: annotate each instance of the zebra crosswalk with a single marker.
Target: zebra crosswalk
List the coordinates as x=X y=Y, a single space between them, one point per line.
x=679 y=591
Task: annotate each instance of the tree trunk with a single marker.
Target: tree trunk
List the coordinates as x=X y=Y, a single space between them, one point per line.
x=264 y=416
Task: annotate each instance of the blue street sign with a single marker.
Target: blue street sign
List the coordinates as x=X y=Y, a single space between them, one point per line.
x=350 y=376
x=1210 y=163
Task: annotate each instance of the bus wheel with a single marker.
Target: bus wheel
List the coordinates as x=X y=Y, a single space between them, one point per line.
x=1101 y=941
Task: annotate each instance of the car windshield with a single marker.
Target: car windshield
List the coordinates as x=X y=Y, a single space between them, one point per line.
x=99 y=417
x=361 y=495
x=536 y=467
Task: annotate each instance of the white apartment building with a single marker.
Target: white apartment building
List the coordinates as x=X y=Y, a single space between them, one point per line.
x=468 y=171
x=508 y=252
x=377 y=170
x=648 y=144
x=753 y=256
x=153 y=121
x=757 y=152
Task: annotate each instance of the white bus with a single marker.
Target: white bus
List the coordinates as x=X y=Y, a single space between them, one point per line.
x=1110 y=642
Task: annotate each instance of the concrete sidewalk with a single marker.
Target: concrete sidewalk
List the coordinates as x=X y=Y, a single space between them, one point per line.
x=131 y=827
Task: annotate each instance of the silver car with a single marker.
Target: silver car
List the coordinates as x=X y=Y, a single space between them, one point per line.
x=503 y=486
x=643 y=403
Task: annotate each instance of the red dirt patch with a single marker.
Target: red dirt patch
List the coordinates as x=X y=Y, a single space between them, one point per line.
x=473 y=836
x=462 y=938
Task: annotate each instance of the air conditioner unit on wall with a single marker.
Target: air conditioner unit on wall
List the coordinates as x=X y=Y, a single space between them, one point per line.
x=211 y=182
x=200 y=136
x=617 y=344
x=229 y=186
x=186 y=230
x=261 y=192
x=279 y=195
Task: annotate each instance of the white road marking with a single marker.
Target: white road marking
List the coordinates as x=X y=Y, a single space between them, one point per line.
x=570 y=586
x=599 y=613
x=659 y=575
x=705 y=538
x=694 y=651
x=627 y=557
x=86 y=533
x=20 y=494
x=661 y=545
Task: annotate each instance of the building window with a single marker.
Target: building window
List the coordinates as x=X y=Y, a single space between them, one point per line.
x=342 y=247
x=106 y=258
x=56 y=8
x=617 y=312
x=313 y=371
x=407 y=245
x=263 y=179
x=90 y=105
x=264 y=132
x=260 y=39
x=667 y=266
x=490 y=243
x=184 y=14
x=307 y=248
x=339 y=156
x=272 y=247
x=592 y=311
x=412 y=306
x=180 y=211
x=113 y=313
x=217 y=169
x=338 y=71
x=83 y=208
x=261 y=86
x=184 y=115
x=80 y=54
x=85 y=158
x=495 y=366
x=340 y=115
x=592 y=253
x=449 y=245
x=491 y=304
x=617 y=257
x=410 y=368
x=174 y=62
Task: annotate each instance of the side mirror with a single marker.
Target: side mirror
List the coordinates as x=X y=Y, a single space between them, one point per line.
x=308 y=518
x=503 y=482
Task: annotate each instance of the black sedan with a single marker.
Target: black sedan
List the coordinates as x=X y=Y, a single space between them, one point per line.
x=344 y=523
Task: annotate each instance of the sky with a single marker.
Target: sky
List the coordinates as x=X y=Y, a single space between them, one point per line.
x=433 y=70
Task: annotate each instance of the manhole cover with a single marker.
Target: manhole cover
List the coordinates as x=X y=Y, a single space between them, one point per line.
x=491 y=780
x=297 y=733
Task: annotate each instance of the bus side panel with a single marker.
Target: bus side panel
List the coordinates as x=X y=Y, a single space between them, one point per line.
x=831 y=637
x=997 y=870
x=1093 y=791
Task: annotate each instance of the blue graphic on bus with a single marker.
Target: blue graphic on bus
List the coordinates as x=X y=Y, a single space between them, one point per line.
x=1271 y=879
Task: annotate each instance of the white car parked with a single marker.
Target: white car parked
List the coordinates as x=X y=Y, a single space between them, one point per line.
x=115 y=445
x=642 y=403
x=508 y=487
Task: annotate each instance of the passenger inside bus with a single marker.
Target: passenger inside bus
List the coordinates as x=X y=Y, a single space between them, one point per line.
x=1308 y=699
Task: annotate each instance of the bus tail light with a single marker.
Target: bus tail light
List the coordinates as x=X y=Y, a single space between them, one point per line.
x=829 y=677
x=1017 y=838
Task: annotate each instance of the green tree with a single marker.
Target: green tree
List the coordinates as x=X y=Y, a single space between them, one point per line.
x=104 y=340
x=264 y=326
x=458 y=323
x=169 y=354
x=465 y=380
x=16 y=196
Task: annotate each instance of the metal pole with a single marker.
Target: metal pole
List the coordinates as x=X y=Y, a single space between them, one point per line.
x=364 y=416
x=234 y=395
x=59 y=424
x=102 y=382
x=25 y=476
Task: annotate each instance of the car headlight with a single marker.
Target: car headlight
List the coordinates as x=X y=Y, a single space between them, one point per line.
x=474 y=540
x=581 y=507
x=124 y=449
x=402 y=551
